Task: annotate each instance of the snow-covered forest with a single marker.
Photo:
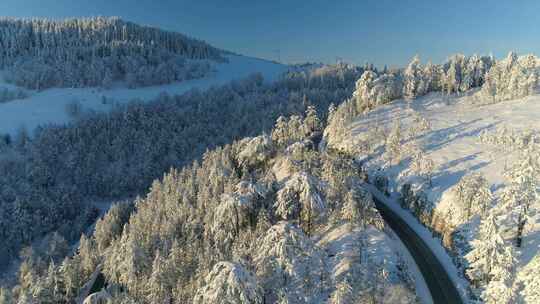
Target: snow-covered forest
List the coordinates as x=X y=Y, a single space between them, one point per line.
x=40 y=53
x=428 y=141
x=118 y=154
x=267 y=219
x=262 y=191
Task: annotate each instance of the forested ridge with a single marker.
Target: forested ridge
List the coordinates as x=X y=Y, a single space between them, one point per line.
x=239 y=226
x=484 y=233
x=39 y=53
x=48 y=177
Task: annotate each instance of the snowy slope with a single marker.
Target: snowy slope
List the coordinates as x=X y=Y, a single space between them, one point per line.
x=454 y=145
x=49 y=106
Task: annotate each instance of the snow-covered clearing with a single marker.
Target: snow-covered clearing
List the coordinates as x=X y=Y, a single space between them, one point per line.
x=49 y=106
x=454 y=145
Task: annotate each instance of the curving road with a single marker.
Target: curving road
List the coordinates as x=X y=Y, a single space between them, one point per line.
x=439 y=283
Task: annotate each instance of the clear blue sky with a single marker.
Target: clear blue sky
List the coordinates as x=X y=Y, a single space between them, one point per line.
x=378 y=31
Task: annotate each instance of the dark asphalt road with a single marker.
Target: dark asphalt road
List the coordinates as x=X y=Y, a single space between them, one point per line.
x=439 y=283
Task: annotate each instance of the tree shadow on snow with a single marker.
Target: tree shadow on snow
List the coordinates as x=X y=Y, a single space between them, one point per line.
x=530 y=246
x=444 y=179
x=439 y=138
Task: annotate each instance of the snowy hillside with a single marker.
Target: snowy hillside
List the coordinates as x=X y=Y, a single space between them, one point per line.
x=454 y=140
x=266 y=219
x=139 y=165
x=459 y=136
x=50 y=105
x=116 y=155
x=90 y=52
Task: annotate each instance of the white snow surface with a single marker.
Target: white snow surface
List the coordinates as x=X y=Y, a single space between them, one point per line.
x=49 y=106
x=453 y=144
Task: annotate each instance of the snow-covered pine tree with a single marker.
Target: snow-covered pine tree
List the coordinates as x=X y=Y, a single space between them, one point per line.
x=229 y=283
x=414 y=84
x=181 y=265
x=522 y=193
x=280 y=133
x=300 y=198
x=295 y=128
x=350 y=210
x=88 y=255
x=432 y=77
x=362 y=96
x=386 y=88
x=419 y=126
x=422 y=165
x=331 y=111
x=71 y=276
x=393 y=144
x=501 y=290
x=473 y=192
x=455 y=72
x=229 y=216
x=159 y=285
x=359 y=208
x=511 y=78
x=49 y=288
x=288 y=262
x=491 y=261
x=6 y=297
x=312 y=123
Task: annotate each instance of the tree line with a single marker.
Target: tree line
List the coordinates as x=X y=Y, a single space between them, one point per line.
x=40 y=54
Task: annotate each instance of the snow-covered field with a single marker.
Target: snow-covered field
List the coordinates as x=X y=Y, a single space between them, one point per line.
x=454 y=145
x=49 y=106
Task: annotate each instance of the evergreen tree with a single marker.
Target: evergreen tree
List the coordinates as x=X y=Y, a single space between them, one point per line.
x=159 y=286
x=280 y=133
x=300 y=199
x=72 y=276
x=393 y=144
x=362 y=95
x=287 y=261
x=474 y=194
x=88 y=256
x=294 y=128
x=359 y=208
x=312 y=124
x=453 y=78
x=414 y=84
x=491 y=261
x=522 y=193
x=229 y=283
x=423 y=165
